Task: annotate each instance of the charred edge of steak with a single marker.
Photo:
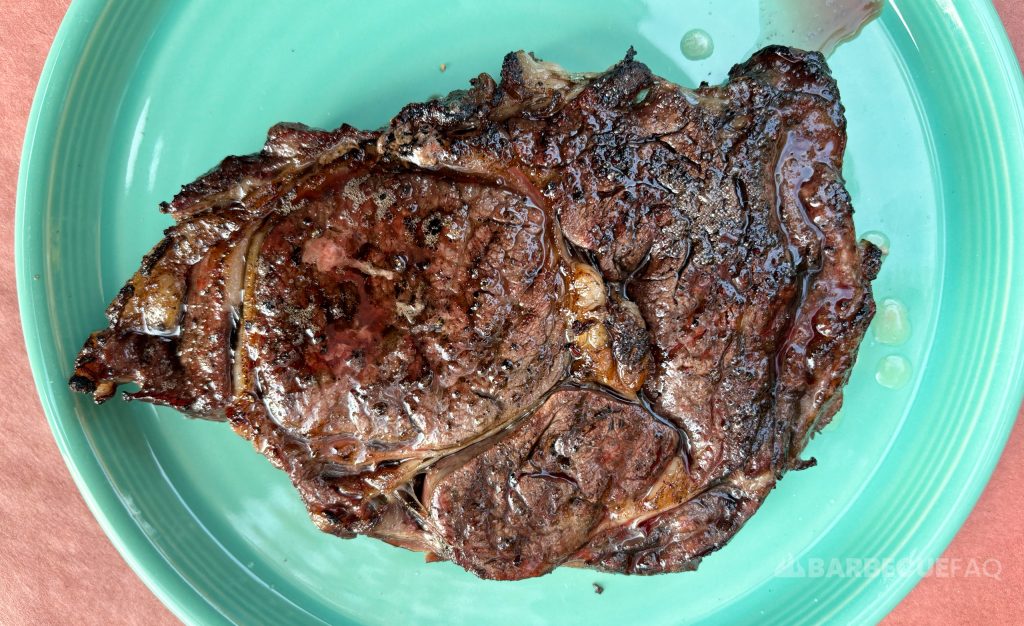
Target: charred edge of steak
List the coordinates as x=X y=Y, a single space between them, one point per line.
x=580 y=319
x=140 y=344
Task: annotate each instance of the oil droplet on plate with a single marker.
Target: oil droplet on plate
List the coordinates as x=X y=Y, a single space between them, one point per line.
x=878 y=238
x=892 y=322
x=697 y=44
x=893 y=371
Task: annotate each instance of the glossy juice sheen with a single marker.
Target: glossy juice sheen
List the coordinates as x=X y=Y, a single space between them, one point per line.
x=140 y=97
x=815 y=24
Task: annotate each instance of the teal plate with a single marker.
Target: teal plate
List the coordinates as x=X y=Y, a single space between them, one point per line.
x=139 y=97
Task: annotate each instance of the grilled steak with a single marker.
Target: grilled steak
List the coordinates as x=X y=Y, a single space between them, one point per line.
x=560 y=319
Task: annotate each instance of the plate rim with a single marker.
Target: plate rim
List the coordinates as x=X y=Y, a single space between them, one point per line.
x=185 y=602
x=188 y=603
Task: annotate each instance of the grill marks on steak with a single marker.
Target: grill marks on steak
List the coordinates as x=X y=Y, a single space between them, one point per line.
x=141 y=344
x=560 y=319
x=405 y=349
x=544 y=485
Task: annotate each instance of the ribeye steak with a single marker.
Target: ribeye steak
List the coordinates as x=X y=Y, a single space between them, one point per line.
x=560 y=319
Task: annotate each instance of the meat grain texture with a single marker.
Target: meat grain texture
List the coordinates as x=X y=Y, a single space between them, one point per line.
x=560 y=319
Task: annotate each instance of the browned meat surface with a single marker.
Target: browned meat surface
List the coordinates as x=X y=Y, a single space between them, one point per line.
x=557 y=319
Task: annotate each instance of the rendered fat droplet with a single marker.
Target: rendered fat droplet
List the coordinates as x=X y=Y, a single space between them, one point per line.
x=697 y=44
x=893 y=371
x=892 y=322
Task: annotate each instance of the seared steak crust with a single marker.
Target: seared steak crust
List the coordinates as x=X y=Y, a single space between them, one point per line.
x=556 y=319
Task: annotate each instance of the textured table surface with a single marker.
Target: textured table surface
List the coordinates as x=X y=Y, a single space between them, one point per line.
x=56 y=565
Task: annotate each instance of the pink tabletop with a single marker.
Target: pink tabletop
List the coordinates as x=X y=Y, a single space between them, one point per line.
x=56 y=565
